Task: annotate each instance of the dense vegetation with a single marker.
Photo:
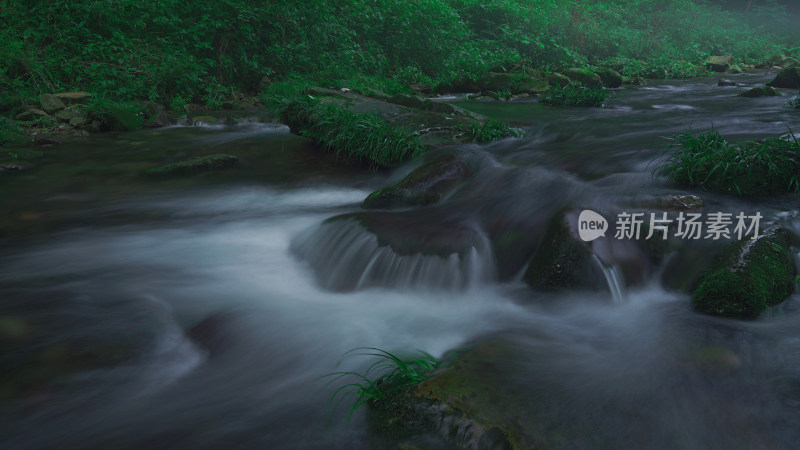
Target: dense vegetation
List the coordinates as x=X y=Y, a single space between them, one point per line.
x=206 y=52
x=709 y=161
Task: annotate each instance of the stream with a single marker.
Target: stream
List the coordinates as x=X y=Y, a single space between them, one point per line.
x=202 y=312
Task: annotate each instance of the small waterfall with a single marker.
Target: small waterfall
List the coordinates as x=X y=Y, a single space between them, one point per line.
x=346 y=256
x=614 y=279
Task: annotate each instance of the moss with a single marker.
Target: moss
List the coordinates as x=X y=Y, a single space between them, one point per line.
x=747 y=277
x=761 y=91
x=584 y=76
x=203 y=164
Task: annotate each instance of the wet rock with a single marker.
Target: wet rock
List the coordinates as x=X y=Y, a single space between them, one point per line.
x=747 y=277
x=73 y=97
x=208 y=163
x=211 y=120
x=563 y=260
x=212 y=333
x=425 y=185
x=788 y=78
x=584 y=76
x=30 y=114
x=66 y=115
x=761 y=91
x=43 y=140
x=719 y=63
x=50 y=103
x=410 y=101
x=726 y=82
x=610 y=77
x=780 y=61
x=633 y=81
x=10 y=168
x=155 y=115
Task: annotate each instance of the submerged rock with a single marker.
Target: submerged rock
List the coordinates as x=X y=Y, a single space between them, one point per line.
x=719 y=63
x=562 y=260
x=747 y=277
x=726 y=82
x=208 y=163
x=788 y=78
x=761 y=91
x=425 y=185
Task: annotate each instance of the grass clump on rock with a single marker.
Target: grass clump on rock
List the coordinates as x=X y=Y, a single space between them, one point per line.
x=491 y=130
x=389 y=373
x=576 y=95
x=794 y=103
x=757 y=167
x=747 y=277
x=360 y=137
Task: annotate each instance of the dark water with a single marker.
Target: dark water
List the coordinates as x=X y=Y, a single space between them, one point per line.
x=104 y=279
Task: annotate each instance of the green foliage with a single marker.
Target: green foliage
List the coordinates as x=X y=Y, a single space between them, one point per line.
x=389 y=373
x=763 y=166
x=357 y=137
x=575 y=95
x=178 y=52
x=491 y=130
x=115 y=116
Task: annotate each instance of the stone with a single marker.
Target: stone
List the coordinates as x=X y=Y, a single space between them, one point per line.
x=43 y=140
x=208 y=163
x=761 y=91
x=31 y=114
x=77 y=121
x=50 y=103
x=425 y=185
x=747 y=277
x=584 y=76
x=557 y=79
x=73 y=97
x=788 y=78
x=719 y=63
x=726 y=82
x=610 y=77
x=734 y=69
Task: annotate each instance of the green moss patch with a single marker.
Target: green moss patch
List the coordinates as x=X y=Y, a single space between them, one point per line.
x=747 y=277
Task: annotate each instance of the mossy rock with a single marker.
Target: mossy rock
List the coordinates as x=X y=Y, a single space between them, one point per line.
x=51 y=103
x=719 y=63
x=557 y=79
x=633 y=81
x=562 y=261
x=425 y=185
x=610 y=77
x=747 y=277
x=203 y=164
x=410 y=101
x=584 y=76
x=761 y=91
x=788 y=78
x=734 y=69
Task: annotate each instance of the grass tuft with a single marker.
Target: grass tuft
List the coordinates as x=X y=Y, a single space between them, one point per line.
x=757 y=167
x=575 y=95
x=388 y=373
x=491 y=130
x=353 y=136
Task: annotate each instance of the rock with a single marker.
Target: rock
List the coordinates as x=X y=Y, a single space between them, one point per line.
x=9 y=168
x=584 y=76
x=155 y=115
x=562 y=260
x=213 y=334
x=375 y=93
x=66 y=115
x=50 y=103
x=719 y=63
x=633 y=81
x=208 y=163
x=211 y=120
x=747 y=277
x=557 y=79
x=683 y=202
x=30 y=114
x=459 y=85
x=425 y=185
x=734 y=69
x=610 y=77
x=43 y=140
x=780 y=61
x=77 y=121
x=73 y=97
x=228 y=105
x=787 y=78
x=761 y=91
x=491 y=94
x=410 y=101
x=726 y=82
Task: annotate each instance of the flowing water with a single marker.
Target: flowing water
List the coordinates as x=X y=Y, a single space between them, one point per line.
x=201 y=313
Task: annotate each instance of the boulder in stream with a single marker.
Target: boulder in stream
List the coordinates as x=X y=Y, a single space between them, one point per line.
x=425 y=185
x=747 y=277
x=611 y=78
x=788 y=78
x=761 y=91
x=208 y=163
x=584 y=76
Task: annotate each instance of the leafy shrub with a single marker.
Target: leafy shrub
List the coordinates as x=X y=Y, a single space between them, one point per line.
x=763 y=166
